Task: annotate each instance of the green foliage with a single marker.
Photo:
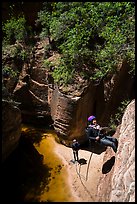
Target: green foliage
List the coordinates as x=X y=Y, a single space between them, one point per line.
x=96 y=34
x=116 y=120
x=23 y=54
x=119 y=35
x=44 y=17
x=15 y=51
x=14 y=29
x=47 y=64
x=10 y=71
x=62 y=74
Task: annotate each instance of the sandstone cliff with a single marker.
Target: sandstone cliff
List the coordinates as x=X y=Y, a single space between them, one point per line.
x=41 y=98
x=118 y=185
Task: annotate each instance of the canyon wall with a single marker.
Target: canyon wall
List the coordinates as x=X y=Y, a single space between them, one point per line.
x=121 y=179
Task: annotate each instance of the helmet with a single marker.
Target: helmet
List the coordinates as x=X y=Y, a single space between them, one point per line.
x=74 y=140
x=90 y=118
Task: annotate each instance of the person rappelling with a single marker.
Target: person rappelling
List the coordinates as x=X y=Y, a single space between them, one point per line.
x=94 y=134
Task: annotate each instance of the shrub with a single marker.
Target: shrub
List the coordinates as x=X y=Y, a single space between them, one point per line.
x=116 y=120
x=14 y=29
x=97 y=34
x=9 y=72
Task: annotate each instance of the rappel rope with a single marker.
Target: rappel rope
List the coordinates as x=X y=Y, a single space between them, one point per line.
x=83 y=176
x=88 y=165
x=78 y=172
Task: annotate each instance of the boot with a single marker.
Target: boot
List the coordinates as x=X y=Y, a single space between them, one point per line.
x=116 y=143
x=114 y=147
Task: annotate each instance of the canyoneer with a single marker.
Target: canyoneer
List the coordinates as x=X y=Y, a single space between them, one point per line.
x=94 y=134
x=75 y=148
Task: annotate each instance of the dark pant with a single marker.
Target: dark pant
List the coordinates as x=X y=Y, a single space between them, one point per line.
x=75 y=152
x=109 y=141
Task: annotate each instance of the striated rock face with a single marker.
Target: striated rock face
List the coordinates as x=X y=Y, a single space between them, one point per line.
x=70 y=113
x=120 y=179
x=101 y=100
x=69 y=106
x=11 y=128
x=116 y=88
x=32 y=90
x=123 y=179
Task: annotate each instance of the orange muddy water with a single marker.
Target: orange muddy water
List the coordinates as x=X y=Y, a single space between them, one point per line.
x=56 y=189
x=34 y=172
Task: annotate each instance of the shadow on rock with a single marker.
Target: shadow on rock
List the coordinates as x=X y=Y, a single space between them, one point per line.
x=107 y=166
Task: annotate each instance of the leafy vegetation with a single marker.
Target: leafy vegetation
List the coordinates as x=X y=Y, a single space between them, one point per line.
x=116 y=120
x=16 y=54
x=91 y=37
x=9 y=72
x=14 y=29
x=95 y=35
x=63 y=74
x=15 y=51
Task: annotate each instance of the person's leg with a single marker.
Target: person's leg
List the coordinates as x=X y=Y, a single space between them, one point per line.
x=77 y=156
x=91 y=143
x=113 y=139
x=107 y=142
x=74 y=152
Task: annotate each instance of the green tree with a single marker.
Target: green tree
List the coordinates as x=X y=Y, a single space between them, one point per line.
x=91 y=35
x=14 y=29
x=44 y=17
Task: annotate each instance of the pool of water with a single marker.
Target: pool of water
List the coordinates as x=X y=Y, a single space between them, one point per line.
x=34 y=172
